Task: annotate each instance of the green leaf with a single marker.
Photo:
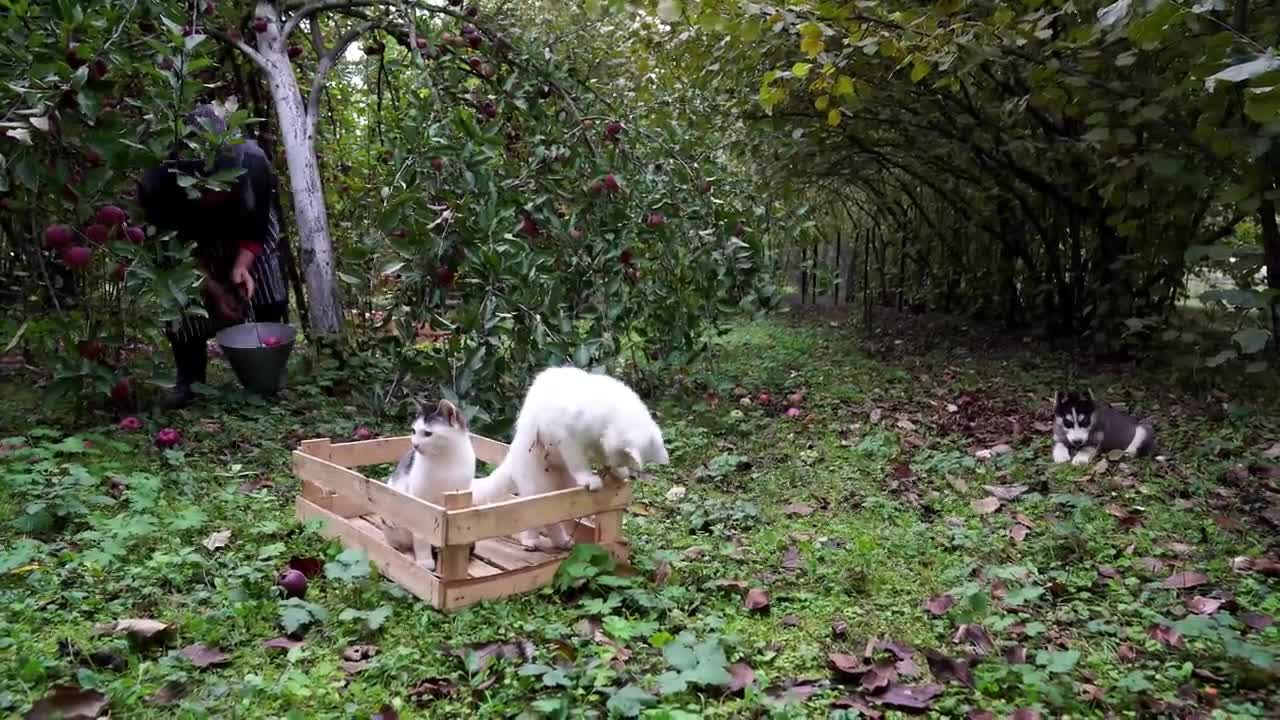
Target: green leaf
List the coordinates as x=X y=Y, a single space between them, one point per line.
x=1262 y=105
x=188 y=518
x=1058 y=661
x=351 y=565
x=833 y=117
x=811 y=42
x=670 y=683
x=919 y=70
x=801 y=70
x=669 y=10
x=1221 y=358
x=844 y=86
x=1251 y=340
x=629 y=701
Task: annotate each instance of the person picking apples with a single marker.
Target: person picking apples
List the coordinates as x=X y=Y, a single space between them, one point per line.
x=236 y=236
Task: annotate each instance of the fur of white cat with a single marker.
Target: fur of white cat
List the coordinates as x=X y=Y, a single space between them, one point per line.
x=570 y=420
x=440 y=461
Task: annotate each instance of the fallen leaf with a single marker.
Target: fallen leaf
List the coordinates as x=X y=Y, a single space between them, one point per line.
x=799 y=509
x=1165 y=635
x=1183 y=580
x=879 y=676
x=853 y=702
x=1257 y=620
x=283 y=642
x=1023 y=520
x=975 y=635
x=839 y=628
x=790 y=621
x=1016 y=654
x=309 y=566
x=1266 y=566
x=1025 y=714
x=694 y=552
x=1018 y=533
x=741 y=676
x=484 y=653
x=793 y=691
x=901 y=471
x=947 y=669
x=676 y=493
x=986 y=505
x=1241 y=564
x=217 y=540
x=958 y=483
x=791 y=559
x=140 y=631
x=431 y=689
x=251 y=486
x=939 y=605
x=104 y=659
x=1005 y=492
x=1126 y=653
x=875 y=415
x=1150 y=565
x=906 y=425
x=756 y=599
x=353 y=668
x=909 y=697
x=203 y=656
x=901 y=651
x=661 y=572
x=1106 y=572
x=848 y=664
x=171 y=693
x=69 y=702
x=1090 y=693
x=388 y=712
x=980 y=715
x=726 y=583
x=907 y=667
x=1201 y=605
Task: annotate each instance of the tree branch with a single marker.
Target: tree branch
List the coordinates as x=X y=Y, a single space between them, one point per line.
x=240 y=45
x=326 y=63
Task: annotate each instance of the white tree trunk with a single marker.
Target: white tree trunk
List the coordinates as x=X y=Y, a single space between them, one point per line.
x=304 y=177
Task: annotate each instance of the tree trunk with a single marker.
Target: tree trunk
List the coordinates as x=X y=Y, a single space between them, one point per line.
x=1271 y=252
x=866 y=281
x=835 y=276
x=298 y=138
x=804 y=275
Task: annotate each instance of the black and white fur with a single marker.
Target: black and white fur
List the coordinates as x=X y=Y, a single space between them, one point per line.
x=1086 y=427
x=440 y=460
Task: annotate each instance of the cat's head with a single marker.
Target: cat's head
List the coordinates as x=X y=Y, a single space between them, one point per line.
x=636 y=445
x=438 y=428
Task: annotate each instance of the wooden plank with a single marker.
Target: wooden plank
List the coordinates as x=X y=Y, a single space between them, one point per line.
x=512 y=556
x=608 y=527
x=584 y=531
x=479 y=568
x=423 y=518
x=391 y=449
x=504 y=518
x=469 y=592
x=320 y=447
x=369 y=452
x=392 y=564
x=455 y=558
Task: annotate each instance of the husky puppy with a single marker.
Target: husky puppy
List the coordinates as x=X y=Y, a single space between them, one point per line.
x=570 y=420
x=1087 y=427
x=440 y=461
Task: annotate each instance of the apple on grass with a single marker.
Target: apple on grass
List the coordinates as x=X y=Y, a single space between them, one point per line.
x=168 y=438
x=130 y=424
x=293 y=583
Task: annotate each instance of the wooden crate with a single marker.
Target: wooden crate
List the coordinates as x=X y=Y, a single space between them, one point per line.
x=351 y=504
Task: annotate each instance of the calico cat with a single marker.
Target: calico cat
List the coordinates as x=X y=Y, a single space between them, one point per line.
x=440 y=461
x=571 y=419
x=1089 y=427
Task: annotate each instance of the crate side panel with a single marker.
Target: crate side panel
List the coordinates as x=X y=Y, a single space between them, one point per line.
x=369 y=452
x=505 y=518
x=426 y=519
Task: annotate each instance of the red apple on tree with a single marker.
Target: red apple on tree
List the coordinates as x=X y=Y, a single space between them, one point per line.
x=91 y=350
x=135 y=235
x=57 y=237
x=529 y=227
x=119 y=271
x=445 y=276
x=260 y=24
x=764 y=398
x=576 y=234
x=76 y=256
x=111 y=215
x=295 y=52
x=97 y=234
x=122 y=391
x=625 y=256
x=612 y=130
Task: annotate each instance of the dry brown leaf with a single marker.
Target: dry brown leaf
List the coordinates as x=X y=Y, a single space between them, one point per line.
x=741 y=676
x=1201 y=605
x=203 y=656
x=1005 y=492
x=756 y=599
x=939 y=605
x=986 y=505
x=217 y=540
x=1018 y=533
x=1183 y=580
x=68 y=702
x=799 y=509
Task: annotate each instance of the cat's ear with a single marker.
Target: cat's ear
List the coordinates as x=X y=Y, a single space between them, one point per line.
x=418 y=408
x=451 y=414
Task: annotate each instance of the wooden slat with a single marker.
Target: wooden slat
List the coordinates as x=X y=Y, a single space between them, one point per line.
x=455 y=558
x=608 y=527
x=584 y=531
x=391 y=449
x=423 y=518
x=369 y=452
x=393 y=564
x=320 y=447
x=511 y=556
x=505 y=518
x=457 y=595
x=479 y=568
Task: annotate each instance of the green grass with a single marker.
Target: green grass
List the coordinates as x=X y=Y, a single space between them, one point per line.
x=894 y=523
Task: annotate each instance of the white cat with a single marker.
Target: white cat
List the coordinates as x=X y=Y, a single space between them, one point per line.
x=572 y=418
x=440 y=461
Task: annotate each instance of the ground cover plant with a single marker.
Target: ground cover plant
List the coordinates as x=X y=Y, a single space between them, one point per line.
x=853 y=558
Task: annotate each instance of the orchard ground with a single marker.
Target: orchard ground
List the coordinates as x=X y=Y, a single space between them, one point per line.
x=856 y=559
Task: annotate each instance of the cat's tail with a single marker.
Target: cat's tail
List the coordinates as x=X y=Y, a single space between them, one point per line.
x=495 y=488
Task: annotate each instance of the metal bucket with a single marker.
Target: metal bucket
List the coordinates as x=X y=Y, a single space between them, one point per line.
x=259 y=369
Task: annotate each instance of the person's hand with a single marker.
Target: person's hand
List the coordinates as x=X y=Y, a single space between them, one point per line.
x=241 y=278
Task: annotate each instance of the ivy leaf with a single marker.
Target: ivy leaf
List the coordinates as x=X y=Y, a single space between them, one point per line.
x=630 y=701
x=670 y=683
x=811 y=42
x=833 y=117
x=801 y=70
x=919 y=70
x=351 y=565
x=1058 y=661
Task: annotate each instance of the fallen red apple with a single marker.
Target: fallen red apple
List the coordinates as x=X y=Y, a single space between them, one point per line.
x=293 y=583
x=529 y=227
x=362 y=433
x=437 y=164
x=624 y=257
x=613 y=130
x=135 y=235
x=597 y=187
x=475 y=40
x=420 y=43
x=122 y=390
x=130 y=424
x=611 y=183
x=167 y=438
x=99 y=69
x=272 y=341
x=295 y=52
x=76 y=256
x=796 y=398
x=119 y=271
x=793 y=412
x=764 y=398
x=656 y=219
x=110 y=215
x=91 y=349
x=575 y=233
x=445 y=275
x=57 y=237
x=475 y=63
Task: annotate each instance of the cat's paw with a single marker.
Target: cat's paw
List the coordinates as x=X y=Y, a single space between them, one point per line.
x=590 y=481
x=548 y=545
x=429 y=564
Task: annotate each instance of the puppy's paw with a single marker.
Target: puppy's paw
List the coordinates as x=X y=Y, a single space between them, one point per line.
x=1080 y=459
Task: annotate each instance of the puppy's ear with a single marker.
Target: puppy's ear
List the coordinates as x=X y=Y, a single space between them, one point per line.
x=1059 y=397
